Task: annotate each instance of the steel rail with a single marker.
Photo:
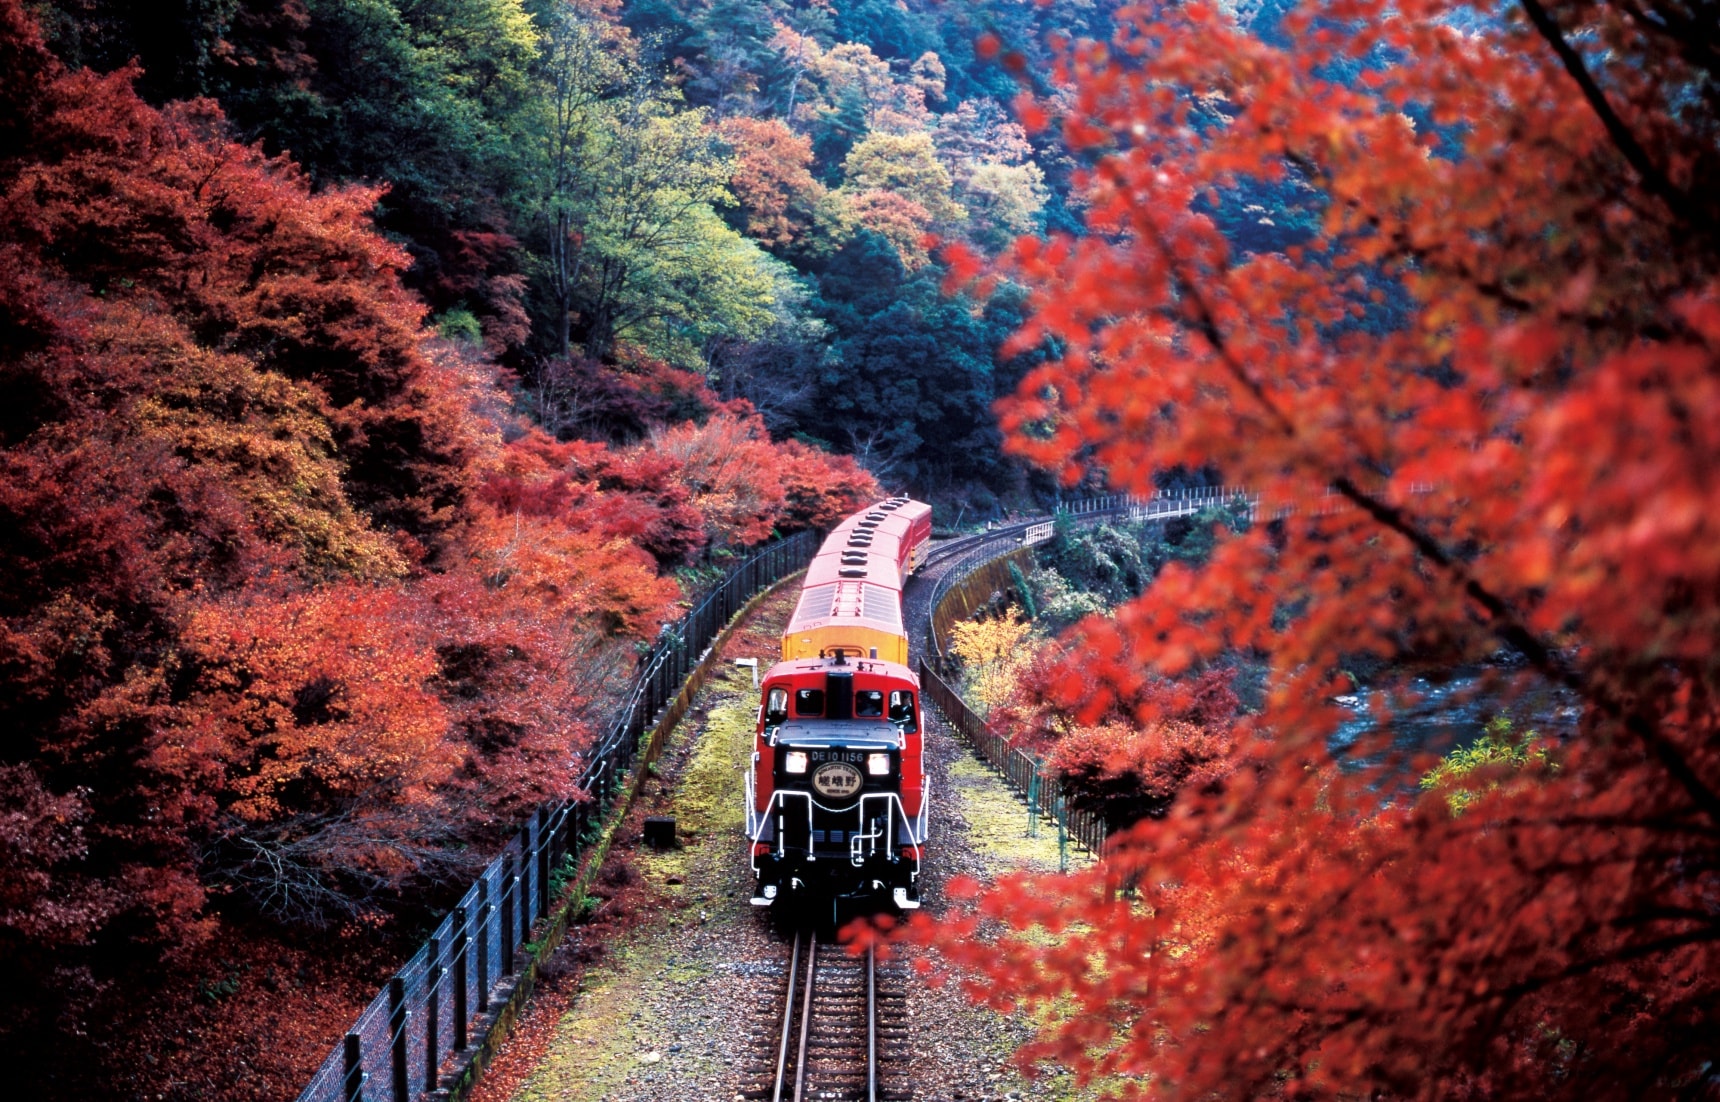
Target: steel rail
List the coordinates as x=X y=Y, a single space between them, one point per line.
x=787 y=1022
x=871 y=1024
x=806 y=1016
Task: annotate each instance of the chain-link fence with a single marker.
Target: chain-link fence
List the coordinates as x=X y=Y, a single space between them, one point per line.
x=400 y=1043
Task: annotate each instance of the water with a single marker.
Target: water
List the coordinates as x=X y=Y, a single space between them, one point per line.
x=1446 y=716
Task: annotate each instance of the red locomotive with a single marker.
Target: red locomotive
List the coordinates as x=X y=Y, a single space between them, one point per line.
x=836 y=796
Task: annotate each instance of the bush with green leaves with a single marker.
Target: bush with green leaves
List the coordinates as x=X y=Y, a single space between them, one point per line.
x=1471 y=772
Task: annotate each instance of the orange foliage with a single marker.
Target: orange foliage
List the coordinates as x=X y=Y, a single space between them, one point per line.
x=898 y=220
x=819 y=488
x=773 y=180
x=747 y=487
x=311 y=703
x=1499 y=351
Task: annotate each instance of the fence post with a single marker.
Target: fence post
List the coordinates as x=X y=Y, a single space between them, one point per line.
x=510 y=885
x=397 y=1027
x=528 y=874
x=432 y=1026
x=354 y=1078
x=1033 y=803
x=460 y=939
x=1062 y=833
x=543 y=861
x=483 y=991
x=522 y=886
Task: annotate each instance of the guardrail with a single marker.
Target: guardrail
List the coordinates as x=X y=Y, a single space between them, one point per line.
x=996 y=543
x=425 y=1016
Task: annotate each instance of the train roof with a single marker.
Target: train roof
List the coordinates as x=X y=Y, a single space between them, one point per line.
x=886 y=545
x=882 y=529
x=903 y=507
x=847 y=564
x=850 y=602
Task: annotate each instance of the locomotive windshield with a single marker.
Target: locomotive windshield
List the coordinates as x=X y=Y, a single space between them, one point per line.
x=868 y=703
x=809 y=702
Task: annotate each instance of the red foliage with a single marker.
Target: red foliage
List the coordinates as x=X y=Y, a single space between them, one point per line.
x=748 y=487
x=159 y=205
x=820 y=488
x=264 y=661
x=1126 y=757
x=899 y=220
x=621 y=401
x=1515 y=457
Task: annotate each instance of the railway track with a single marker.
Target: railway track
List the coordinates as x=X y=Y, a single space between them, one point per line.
x=838 y=1031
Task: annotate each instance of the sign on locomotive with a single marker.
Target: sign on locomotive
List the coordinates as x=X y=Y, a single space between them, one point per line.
x=836 y=795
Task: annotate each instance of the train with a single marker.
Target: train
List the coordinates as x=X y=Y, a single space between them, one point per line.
x=836 y=796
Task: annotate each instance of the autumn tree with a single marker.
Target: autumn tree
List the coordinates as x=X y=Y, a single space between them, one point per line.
x=1497 y=351
x=992 y=652
x=772 y=182
x=905 y=166
x=273 y=658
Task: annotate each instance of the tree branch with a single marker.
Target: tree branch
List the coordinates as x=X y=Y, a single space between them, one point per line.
x=1652 y=177
x=1504 y=622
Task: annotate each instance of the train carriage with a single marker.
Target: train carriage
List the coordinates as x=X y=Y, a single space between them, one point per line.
x=836 y=795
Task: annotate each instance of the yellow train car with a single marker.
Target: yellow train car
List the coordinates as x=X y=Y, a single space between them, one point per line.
x=852 y=599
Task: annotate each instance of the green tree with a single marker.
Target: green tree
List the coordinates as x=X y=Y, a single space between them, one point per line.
x=653 y=262
x=584 y=63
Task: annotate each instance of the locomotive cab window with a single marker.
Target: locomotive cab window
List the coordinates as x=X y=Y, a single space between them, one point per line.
x=809 y=702
x=776 y=708
x=902 y=707
x=869 y=703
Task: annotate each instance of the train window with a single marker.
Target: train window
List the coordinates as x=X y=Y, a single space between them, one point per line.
x=776 y=708
x=869 y=703
x=809 y=702
x=902 y=707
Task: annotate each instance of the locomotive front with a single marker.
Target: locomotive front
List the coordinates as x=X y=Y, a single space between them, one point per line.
x=838 y=809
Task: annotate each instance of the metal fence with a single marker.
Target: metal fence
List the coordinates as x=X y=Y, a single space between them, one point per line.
x=999 y=541
x=1023 y=772
x=397 y=1048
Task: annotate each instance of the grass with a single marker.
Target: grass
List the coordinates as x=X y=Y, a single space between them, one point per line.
x=997 y=819
x=609 y=1035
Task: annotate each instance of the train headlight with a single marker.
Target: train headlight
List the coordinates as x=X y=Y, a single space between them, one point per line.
x=878 y=765
x=795 y=761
